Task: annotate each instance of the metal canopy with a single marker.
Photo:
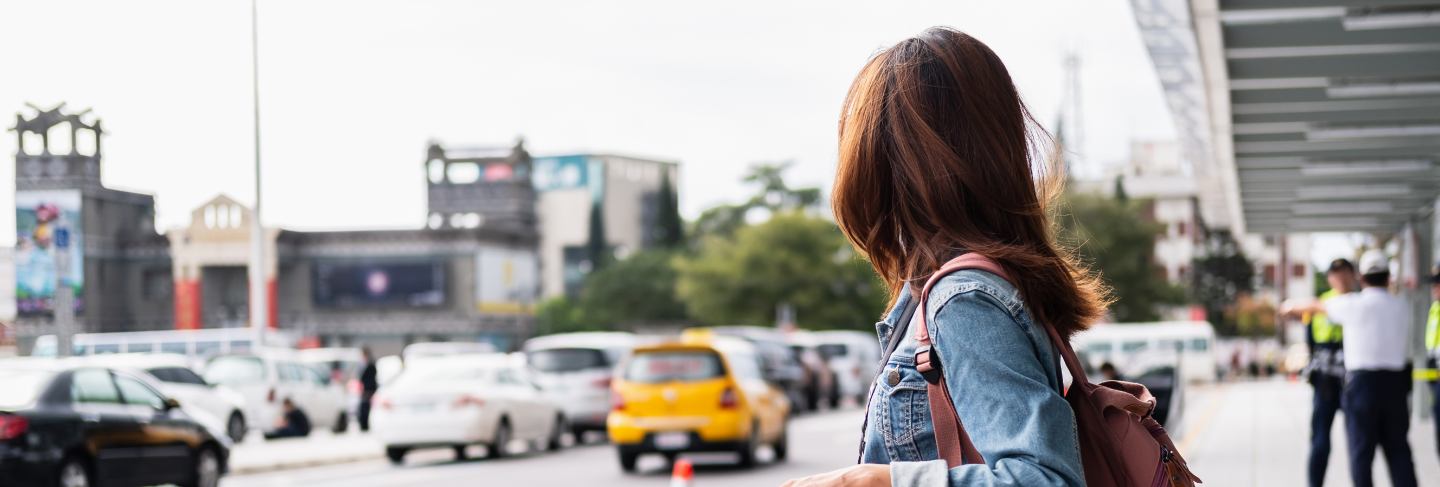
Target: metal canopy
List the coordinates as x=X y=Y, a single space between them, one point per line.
x=1334 y=111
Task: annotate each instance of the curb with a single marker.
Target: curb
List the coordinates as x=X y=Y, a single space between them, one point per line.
x=303 y=463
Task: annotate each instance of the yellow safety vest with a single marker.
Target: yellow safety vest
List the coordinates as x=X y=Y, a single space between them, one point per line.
x=1323 y=331
x=1432 y=328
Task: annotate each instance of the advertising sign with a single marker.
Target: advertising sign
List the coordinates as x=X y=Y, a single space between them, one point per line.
x=49 y=243
x=506 y=280
x=379 y=283
x=561 y=172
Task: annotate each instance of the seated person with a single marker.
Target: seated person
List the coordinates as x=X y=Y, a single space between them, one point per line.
x=1108 y=372
x=292 y=424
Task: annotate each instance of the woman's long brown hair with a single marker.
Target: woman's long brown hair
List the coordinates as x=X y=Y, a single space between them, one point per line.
x=938 y=157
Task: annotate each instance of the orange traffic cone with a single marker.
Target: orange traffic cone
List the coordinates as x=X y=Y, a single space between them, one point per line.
x=683 y=475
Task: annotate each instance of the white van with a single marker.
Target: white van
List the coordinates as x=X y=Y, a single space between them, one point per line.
x=575 y=370
x=855 y=358
x=1136 y=347
x=265 y=379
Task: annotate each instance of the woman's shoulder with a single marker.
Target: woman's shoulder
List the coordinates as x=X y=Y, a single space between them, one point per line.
x=974 y=287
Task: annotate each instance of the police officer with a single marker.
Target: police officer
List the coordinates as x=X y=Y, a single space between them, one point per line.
x=1326 y=370
x=1432 y=348
x=1377 y=381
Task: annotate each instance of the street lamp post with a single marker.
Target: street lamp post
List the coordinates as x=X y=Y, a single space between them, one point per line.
x=259 y=309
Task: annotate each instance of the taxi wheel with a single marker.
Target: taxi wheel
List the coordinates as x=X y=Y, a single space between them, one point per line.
x=747 y=450
x=782 y=445
x=628 y=460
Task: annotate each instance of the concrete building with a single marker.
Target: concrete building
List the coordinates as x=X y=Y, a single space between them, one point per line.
x=1157 y=171
x=624 y=190
x=73 y=231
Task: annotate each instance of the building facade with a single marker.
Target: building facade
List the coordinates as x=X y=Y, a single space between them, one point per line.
x=501 y=231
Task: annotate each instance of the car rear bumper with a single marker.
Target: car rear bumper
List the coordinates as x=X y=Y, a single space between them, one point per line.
x=696 y=444
x=625 y=429
x=445 y=428
x=18 y=467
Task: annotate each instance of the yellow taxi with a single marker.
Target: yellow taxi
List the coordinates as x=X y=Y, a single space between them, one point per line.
x=702 y=393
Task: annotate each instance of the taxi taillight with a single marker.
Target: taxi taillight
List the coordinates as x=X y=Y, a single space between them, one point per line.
x=728 y=399
x=617 y=401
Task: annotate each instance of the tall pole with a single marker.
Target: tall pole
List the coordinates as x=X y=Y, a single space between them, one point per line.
x=259 y=309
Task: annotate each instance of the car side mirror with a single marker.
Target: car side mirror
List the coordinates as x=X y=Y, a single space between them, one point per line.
x=171 y=403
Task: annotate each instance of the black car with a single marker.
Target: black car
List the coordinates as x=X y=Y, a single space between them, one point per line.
x=66 y=424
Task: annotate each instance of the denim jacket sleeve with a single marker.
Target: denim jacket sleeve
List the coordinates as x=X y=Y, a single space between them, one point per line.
x=1000 y=371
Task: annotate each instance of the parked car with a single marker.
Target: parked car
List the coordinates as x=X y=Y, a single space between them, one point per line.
x=64 y=423
x=703 y=394
x=176 y=379
x=576 y=369
x=462 y=400
x=855 y=358
x=818 y=386
x=778 y=364
x=340 y=366
x=265 y=379
x=415 y=351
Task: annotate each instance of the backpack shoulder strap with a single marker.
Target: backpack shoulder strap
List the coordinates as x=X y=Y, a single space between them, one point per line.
x=950 y=436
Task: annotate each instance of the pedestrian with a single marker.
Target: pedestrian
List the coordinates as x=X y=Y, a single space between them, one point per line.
x=1326 y=370
x=1432 y=350
x=1377 y=328
x=368 y=385
x=936 y=160
x=293 y=422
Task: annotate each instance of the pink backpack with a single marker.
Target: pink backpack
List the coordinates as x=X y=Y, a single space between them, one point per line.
x=1121 y=444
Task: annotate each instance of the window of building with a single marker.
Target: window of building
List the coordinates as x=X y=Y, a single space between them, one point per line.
x=1270 y=274
x=1297 y=270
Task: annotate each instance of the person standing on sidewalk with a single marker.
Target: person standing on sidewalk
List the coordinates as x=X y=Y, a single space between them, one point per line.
x=1432 y=350
x=1377 y=382
x=1326 y=371
x=368 y=385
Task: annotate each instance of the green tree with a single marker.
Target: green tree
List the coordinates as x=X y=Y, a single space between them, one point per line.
x=560 y=315
x=1222 y=278
x=772 y=194
x=1112 y=236
x=638 y=290
x=793 y=259
x=670 y=229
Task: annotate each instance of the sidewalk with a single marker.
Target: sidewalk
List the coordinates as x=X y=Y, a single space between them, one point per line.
x=256 y=455
x=1257 y=434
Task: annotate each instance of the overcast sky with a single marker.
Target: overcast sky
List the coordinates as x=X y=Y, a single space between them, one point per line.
x=351 y=91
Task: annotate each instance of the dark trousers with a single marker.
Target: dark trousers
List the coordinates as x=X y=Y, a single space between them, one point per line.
x=1435 y=412
x=1376 y=414
x=286 y=432
x=363 y=415
x=1322 y=415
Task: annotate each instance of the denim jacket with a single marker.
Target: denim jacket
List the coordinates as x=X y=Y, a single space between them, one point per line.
x=1004 y=380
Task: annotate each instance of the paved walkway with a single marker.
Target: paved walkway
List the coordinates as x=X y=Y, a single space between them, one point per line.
x=1257 y=434
x=256 y=454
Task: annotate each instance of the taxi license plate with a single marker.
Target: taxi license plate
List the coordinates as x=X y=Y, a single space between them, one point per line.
x=672 y=441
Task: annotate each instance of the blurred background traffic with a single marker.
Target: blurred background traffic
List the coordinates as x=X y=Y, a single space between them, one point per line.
x=375 y=243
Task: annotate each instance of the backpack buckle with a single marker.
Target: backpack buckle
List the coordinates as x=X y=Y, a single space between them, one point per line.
x=927 y=362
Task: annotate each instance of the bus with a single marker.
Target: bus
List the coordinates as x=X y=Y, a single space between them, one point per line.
x=196 y=344
x=1137 y=347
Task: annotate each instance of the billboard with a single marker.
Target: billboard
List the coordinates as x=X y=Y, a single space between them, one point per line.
x=506 y=280
x=379 y=283
x=47 y=230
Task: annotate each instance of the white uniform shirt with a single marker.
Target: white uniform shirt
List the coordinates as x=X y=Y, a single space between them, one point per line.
x=1377 y=328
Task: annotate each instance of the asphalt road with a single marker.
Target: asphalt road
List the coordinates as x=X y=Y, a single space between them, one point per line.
x=817 y=443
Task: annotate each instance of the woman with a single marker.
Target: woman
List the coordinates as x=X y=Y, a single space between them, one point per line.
x=937 y=159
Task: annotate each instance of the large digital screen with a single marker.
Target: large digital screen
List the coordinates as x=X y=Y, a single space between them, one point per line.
x=47 y=230
x=379 y=283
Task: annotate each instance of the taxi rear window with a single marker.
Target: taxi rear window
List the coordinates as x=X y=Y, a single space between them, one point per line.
x=674 y=366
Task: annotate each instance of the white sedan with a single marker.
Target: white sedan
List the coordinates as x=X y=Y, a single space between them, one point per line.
x=457 y=401
x=176 y=379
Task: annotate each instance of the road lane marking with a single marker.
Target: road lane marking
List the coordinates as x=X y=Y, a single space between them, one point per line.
x=1200 y=426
